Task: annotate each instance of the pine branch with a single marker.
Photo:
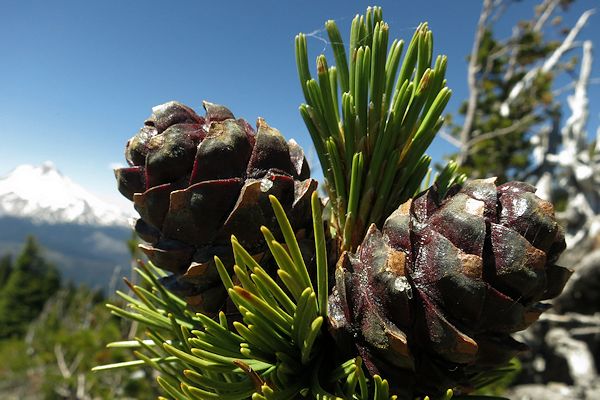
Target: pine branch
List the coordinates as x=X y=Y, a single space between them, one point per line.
x=276 y=350
x=372 y=126
x=371 y=118
x=520 y=124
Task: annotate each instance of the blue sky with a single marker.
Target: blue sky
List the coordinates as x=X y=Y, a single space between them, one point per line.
x=77 y=78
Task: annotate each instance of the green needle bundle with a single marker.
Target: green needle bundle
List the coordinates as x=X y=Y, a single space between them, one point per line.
x=371 y=118
x=382 y=290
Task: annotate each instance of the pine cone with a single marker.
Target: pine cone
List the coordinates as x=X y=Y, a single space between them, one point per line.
x=432 y=299
x=195 y=181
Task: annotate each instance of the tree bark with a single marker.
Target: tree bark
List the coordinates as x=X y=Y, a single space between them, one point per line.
x=473 y=69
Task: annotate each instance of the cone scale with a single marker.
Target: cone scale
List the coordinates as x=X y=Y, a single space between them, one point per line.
x=431 y=299
x=196 y=181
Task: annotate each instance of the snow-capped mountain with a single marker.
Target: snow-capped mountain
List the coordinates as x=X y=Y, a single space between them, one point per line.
x=82 y=235
x=43 y=195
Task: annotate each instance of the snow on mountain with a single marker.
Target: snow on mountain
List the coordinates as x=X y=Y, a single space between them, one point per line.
x=43 y=195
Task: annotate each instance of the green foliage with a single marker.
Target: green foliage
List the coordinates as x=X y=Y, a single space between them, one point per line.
x=54 y=360
x=496 y=382
x=371 y=118
x=31 y=282
x=5 y=269
x=273 y=346
x=498 y=144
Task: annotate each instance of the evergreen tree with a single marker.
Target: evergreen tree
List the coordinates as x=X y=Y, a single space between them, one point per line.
x=512 y=84
x=5 y=269
x=62 y=346
x=32 y=281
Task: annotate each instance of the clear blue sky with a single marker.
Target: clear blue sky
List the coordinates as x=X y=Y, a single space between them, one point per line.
x=77 y=78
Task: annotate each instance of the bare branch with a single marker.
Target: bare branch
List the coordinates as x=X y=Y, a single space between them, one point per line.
x=576 y=353
x=474 y=68
x=81 y=392
x=500 y=7
x=571 y=85
x=449 y=138
x=512 y=60
x=570 y=318
x=522 y=123
x=60 y=360
x=597 y=147
x=548 y=65
x=549 y=6
x=574 y=135
x=76 y=361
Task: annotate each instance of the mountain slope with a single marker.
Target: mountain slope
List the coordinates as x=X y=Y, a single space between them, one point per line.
x=82 y=253
x=43 y=195
x=84 y=237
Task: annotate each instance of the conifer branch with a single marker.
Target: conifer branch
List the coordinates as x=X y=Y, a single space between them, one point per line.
x=372 y=127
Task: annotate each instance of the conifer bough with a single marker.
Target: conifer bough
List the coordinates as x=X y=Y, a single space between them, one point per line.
x=371 y=118
x=428 y=287
x=276 y=348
